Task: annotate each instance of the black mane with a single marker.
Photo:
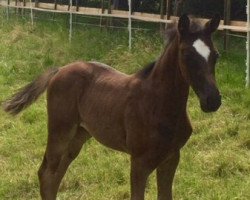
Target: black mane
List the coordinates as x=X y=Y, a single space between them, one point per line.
x=144 y=73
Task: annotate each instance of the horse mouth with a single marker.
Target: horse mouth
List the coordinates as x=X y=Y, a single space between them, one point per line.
x=210 y=104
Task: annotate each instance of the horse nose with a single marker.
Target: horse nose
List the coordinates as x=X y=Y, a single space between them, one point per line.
x=213 y=102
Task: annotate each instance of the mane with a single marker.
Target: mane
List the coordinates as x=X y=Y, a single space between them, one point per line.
x=171 y=33
x=144 y=73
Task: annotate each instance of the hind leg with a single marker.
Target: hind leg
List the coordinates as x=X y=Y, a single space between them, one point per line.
x=60 y=152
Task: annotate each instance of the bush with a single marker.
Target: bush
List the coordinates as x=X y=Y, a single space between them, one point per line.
x=199 y=8
x=208 y=8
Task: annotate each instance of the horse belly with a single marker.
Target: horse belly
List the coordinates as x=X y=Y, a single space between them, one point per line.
x=102 y=114
x=110 y=136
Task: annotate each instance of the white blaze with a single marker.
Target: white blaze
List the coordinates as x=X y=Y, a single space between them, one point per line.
x=202 y=48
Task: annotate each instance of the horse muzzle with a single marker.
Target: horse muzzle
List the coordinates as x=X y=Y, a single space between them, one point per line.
x=210 y=103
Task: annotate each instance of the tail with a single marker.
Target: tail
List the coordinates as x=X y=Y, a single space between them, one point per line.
x=29 y=93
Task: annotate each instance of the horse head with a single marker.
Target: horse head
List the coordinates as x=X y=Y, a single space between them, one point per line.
x=197 y=59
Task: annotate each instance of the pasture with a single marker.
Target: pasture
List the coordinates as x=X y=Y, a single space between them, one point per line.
x=214 y=164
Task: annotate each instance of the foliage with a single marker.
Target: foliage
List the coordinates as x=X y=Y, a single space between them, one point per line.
x=214 y=164
x=208 y=8
x=195 y=7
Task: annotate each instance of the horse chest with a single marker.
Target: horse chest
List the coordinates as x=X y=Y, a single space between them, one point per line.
x=184 y=131
x=175 y=136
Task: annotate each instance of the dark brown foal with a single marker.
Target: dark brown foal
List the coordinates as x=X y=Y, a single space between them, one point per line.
x=143 y=114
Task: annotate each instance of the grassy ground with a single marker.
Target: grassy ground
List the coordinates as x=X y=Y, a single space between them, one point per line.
x=215 y=163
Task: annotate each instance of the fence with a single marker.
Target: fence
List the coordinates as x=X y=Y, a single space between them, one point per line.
x=163 y=18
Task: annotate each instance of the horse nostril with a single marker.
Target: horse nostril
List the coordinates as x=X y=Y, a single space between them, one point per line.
x=213 y=102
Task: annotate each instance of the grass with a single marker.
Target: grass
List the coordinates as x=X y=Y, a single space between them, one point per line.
x=214 y=165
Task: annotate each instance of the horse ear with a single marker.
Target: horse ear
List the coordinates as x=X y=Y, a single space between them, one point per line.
x=183 y=25
x=212 y=25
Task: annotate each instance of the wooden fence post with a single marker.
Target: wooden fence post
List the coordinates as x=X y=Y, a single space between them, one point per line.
x=227 y=16
x=77 y=5
x=169 y=8
x=16 y=10
x=162 y=9
x=55 y=5
x=8 y=9
x=102 y=6
x=103 y=9
x=55 y=8
x=178 y=7
x=109 y=6
x=24 y=5
x=162 y=14
x=36 y=3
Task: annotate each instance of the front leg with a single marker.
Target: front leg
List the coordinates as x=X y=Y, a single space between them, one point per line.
x=140 y=170
x=165 y=175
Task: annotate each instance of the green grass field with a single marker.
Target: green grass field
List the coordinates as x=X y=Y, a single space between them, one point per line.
x=215 y=163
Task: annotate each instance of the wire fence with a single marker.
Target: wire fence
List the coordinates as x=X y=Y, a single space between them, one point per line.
x=106 y=14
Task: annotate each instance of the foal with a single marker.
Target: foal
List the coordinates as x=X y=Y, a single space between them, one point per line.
x=143 y=114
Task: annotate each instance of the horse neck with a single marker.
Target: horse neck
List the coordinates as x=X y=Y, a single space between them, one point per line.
x=167 y=81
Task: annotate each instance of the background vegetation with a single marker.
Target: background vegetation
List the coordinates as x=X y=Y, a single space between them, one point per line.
x=202 y=8
x=214 y=165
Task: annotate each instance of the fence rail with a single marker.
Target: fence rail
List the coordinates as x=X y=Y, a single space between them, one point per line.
x=226 y=25
x=237 y=26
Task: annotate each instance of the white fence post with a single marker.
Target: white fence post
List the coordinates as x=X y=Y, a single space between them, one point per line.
x=70 y=21
x=129 y=24
x=248 y=45
x=31 y=13
x=7 y=9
